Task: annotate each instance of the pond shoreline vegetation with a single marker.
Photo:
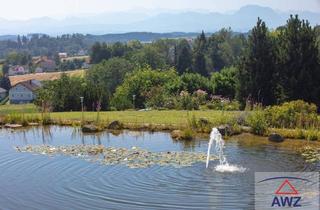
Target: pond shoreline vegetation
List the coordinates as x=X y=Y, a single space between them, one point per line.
x=292 y=120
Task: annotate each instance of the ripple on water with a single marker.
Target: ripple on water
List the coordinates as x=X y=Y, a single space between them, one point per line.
x=43 y=182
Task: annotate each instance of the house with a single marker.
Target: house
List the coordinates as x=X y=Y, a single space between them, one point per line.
x=82 y=52
x=45 y=64
x=3 y=93
x=23 y=92
x=85 y=65
x=62 y=55
x=18 y=70
x=38 y=70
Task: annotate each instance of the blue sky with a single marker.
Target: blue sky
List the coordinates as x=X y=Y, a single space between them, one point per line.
x=26 y=9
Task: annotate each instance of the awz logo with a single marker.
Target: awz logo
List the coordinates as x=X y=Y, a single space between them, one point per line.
x=286 y=195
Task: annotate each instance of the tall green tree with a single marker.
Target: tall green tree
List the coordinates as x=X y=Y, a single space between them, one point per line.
x=299 y=70
x=199 y=60
x=184 y=57
x=103 y=79
x=148 y=56
x=256 y=68
x=62 y=94
x=100 y=52
x=224 y=48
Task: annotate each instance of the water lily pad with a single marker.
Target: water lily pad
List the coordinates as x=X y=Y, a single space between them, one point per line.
x=132 y=158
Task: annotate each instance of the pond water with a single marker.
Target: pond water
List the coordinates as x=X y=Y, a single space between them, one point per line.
x=30 y=181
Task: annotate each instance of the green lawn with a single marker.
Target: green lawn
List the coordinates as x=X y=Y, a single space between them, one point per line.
x=153 y=117
x=170 y=117
x=17 y=108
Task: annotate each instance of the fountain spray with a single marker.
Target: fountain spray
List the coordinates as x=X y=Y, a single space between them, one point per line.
x=216 y=137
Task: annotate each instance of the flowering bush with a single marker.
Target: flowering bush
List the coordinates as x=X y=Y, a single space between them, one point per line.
x=220 y=103
x=201 y=96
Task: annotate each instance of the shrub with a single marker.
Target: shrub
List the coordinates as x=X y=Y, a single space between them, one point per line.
x=155 y=97
x=224 y=82
x=188 y=134
x=294 y=114
x=258 y=122
x=13 y=118
x=192 y=121
x=312 y=135
x=187 y=102
x=219 y=103
x=146 y=85
x=170 y=103
x=46 y=119
x=192 y=82
x=120 y=100
x=201 y=96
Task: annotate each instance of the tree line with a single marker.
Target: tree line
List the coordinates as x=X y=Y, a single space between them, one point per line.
x=44 y=45
x=281 y=65
x=264 y=66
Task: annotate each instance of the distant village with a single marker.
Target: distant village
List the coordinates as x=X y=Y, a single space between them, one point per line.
x=26 y=79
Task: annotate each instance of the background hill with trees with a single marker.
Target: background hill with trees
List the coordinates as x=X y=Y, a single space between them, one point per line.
x=266 y=67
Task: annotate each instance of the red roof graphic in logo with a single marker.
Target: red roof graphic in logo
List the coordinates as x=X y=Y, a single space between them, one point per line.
x=286 y=188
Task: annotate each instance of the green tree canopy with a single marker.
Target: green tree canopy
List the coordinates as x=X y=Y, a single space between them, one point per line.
x=299 y=68
x=139 y=83
x=103 y=79
x=224 y=82
x=256 y=69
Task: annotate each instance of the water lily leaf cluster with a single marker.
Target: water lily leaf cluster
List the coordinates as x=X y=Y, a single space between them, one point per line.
x=132 y=158
x=311 y=154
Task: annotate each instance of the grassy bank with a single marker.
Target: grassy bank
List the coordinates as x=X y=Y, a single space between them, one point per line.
x=172 y=117
x=200 y=121
x=17 y=108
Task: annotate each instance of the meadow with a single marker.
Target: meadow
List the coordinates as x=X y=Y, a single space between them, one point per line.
x=171 y=117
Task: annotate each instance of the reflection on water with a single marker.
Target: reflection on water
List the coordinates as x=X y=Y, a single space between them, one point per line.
x=29 y=181
x=56 y=135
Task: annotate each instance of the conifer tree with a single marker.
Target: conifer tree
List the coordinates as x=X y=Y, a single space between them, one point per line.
x=256 y=68
x=199 y=63
x=184 y=57
x=298 y=62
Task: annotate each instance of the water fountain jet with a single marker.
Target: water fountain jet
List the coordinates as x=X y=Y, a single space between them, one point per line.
x=216 y=137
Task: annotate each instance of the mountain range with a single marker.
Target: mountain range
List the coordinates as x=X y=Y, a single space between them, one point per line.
x=241 y=20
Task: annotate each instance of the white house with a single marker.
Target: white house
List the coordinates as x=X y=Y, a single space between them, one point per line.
x=63 y=55
x=23 y=92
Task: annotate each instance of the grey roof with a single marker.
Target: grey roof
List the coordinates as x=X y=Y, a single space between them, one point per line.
x=3 y=90
x=29 y=85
